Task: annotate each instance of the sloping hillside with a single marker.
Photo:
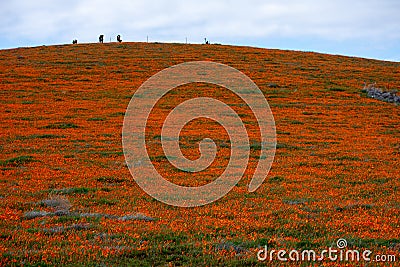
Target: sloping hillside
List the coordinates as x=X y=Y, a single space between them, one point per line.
x=66 y=195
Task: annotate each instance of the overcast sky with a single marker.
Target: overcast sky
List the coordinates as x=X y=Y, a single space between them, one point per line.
x=365 y=28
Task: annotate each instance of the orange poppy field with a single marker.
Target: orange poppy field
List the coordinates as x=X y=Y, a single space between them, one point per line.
x=67 y=196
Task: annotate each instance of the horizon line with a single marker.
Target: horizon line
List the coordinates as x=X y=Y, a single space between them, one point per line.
x=216 y=43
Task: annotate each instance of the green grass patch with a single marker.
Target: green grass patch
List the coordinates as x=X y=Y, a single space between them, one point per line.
x=370 y=243
x=286 y=146
x=110 y=153
x=307 y=113
x=27 y=119
x=117 y=114
x=336 y=89
x=296 y=122
x=17 y=161
x=105 y=201
x=158 y=158
x=296 y=201
x=39 y=136
x=28 y=102
x=96 y=119
x=256 y=146
x=350 y=158
x=391 y=131
x=110 y=179
x=380 y=180
x=33 y=230
x=282 y=133
x=276 y=179
x=61 y=125
x=72 y=190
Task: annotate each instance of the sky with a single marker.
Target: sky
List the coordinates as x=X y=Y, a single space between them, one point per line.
x=362 y=28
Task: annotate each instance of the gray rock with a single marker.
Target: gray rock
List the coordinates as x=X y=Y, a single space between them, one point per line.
x=377 y=93
x=228 y=246
x=61 y=213
x=54 y=230
x=35 y=214
x=57 y=202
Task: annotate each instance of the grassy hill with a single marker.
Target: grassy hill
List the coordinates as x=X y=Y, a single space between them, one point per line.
x=67 y=197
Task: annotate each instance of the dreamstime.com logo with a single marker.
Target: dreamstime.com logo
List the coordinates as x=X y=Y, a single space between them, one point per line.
x=152 y=90
x=341 y=253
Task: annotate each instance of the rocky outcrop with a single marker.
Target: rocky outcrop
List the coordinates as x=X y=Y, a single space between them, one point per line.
x=377 y=93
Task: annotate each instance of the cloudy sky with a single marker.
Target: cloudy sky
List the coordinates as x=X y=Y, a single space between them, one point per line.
x=365 y=28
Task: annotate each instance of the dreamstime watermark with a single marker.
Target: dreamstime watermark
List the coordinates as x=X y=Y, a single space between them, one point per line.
x=340 y=253
x=152 y=90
